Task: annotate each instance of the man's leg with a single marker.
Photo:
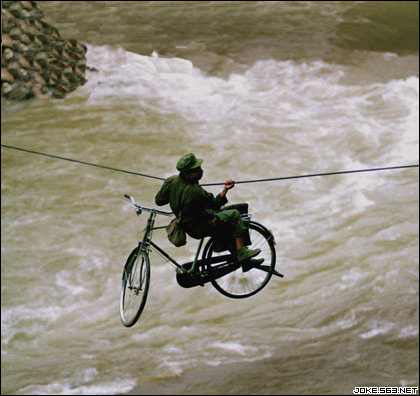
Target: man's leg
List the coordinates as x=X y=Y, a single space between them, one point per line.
x=239 y=242
x=232 y=218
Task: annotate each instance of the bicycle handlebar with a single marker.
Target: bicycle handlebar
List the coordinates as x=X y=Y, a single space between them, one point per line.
x=140 y=208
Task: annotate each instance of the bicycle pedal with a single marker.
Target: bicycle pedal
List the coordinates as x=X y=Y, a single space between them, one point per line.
x=253 y=263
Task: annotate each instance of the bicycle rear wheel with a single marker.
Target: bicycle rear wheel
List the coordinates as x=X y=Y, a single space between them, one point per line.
x=240 y=284
x=135 y=286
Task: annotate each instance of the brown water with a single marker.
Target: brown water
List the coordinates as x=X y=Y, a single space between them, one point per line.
x=279 y=89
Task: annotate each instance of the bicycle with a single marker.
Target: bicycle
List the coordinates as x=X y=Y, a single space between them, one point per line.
x=219 y=268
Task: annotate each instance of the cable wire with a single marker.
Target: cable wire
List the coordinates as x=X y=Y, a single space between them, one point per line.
x=214 y=184
x=81 y=162
x=317 y=174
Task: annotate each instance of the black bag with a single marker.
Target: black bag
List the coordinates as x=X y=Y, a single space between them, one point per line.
x=176 y=233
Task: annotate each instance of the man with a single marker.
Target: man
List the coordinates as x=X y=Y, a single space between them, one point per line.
x=199 y=209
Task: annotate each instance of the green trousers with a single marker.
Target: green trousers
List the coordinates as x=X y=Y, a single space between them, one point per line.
x=226 y=224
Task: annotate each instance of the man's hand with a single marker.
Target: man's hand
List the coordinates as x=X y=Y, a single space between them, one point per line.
x=228 y=185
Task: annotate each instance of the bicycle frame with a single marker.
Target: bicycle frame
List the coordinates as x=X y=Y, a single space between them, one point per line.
x=147 y=244
x=172 y=260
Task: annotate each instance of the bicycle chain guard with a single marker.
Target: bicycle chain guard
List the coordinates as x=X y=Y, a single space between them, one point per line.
x=206 y=274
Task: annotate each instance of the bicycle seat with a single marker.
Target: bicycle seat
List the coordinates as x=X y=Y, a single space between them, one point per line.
x=241 y=207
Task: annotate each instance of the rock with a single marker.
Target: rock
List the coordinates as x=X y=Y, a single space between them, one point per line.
x=36 y=61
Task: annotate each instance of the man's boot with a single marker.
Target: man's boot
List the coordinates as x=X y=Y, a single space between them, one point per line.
x=245 y=254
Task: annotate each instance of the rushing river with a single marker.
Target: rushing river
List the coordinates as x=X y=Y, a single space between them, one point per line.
x=259 y=90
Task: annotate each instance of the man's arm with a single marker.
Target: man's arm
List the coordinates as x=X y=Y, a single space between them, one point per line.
x=162 y=197
x=221 y=198
x=229 y=184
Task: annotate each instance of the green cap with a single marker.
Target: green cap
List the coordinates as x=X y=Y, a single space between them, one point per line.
x=187 y=162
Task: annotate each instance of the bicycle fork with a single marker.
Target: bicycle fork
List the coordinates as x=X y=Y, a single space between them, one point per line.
x=136 y=268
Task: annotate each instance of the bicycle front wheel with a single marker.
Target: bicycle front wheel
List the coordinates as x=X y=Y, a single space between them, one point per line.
x=240 y=284
x=135 y=286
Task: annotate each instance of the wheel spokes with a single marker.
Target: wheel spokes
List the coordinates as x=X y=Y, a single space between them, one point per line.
x=241 y=284
x=134 y=288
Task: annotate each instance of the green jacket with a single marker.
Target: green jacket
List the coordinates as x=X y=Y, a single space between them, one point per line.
x=199 y=205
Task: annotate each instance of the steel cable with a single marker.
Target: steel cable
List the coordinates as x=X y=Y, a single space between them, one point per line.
x=214 y=184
